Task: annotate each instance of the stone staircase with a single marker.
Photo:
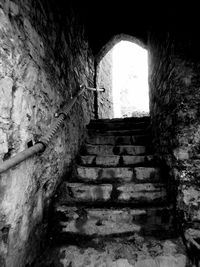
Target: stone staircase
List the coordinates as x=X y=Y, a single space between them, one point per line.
x=115 y=210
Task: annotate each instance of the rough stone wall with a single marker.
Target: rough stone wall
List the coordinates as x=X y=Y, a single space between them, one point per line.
x=163 y=100
x=175 y=100
x=104 y=80
x=44 y=56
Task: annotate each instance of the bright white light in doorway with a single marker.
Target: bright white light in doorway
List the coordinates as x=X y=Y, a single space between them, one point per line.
x=130 y=79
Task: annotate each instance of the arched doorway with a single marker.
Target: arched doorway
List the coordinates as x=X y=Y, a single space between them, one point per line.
x=123 y=71
x=130 y=80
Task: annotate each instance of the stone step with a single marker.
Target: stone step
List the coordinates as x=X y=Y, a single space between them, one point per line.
x=118 y=174
x=121 y=132
x=148 y=193
x=104 y=222
x=135 y=252
x=123 y=120
x=118 y=140
x=116 y=160
x=117 y=125
x=113 y=150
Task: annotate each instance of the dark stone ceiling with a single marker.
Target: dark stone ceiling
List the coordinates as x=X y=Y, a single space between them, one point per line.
x=104 y=19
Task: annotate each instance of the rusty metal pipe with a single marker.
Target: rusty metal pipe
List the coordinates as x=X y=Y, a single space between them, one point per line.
x=25 y=154
x=41 y=145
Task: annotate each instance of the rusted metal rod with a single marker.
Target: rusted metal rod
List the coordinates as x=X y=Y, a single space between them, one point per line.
x=92 y=88
x=96 y=89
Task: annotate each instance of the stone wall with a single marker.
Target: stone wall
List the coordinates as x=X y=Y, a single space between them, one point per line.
x=175 y=100
x=44 y=56
x=104 y=80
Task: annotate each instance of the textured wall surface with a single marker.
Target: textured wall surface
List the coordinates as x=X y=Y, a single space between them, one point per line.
x=175 y=99
x=104 y=80
x=44 y=56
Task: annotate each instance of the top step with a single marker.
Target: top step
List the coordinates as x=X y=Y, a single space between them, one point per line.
x=119 y=124
x=125 y=120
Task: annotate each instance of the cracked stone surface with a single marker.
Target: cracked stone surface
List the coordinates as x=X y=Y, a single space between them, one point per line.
x=102 y=221
x=139 y=252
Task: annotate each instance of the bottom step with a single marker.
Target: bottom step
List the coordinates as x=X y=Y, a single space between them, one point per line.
x=138 y=252
x=102 y=222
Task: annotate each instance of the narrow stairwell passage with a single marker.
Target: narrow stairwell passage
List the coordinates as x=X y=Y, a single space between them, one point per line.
x=115 y=210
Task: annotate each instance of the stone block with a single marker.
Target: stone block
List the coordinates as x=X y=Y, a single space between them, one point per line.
x=133 y=160
x=107 y=160
x=98 y=174
x=147 y=173
x=140 y=193
x=78 y=192
x=181 y=153
x=87 y=160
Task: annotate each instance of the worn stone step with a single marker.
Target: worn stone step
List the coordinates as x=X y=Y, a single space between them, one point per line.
x=103 y=222
x=118 y=140
x=124 y=193
x=116 y=160
x=135 y=252
x=120 y=174
x=113 y=150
